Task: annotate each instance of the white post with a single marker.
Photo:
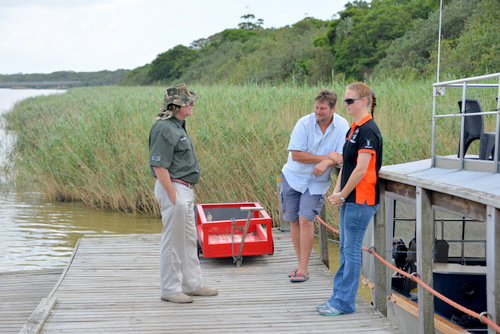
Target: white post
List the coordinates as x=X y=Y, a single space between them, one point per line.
x=389 y=236
x=425 y=226
x=493 y=264
x=439 y=38
x=380 y=245
x=496 y=151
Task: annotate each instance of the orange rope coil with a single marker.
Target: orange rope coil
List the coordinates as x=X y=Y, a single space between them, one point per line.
x=483 y=317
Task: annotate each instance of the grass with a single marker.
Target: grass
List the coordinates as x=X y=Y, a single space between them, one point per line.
x=91 y=144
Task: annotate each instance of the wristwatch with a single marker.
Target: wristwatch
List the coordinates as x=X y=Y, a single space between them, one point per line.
x=341 y=198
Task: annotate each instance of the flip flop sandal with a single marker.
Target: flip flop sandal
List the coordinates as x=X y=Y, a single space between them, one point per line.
x=299 y=278
x=293 y=273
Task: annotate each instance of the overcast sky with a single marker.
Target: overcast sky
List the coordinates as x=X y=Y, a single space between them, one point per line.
x=44 y=36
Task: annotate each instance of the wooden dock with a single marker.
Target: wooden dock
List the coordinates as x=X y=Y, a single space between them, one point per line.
x=20 y=294
x=111 y=285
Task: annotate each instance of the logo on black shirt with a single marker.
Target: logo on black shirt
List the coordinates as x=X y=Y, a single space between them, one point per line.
x=368 y=143
x=353 y=138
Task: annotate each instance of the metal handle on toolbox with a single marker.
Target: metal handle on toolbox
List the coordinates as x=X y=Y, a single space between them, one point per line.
x=250 y=210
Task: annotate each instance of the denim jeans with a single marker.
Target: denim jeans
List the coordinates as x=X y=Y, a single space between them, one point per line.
x=354 y=219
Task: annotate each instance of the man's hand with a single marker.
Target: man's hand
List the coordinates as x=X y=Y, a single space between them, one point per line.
x=336 y=157
x=163 y=176
x=320 y=167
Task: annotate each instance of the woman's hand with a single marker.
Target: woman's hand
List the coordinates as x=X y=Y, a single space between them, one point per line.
x=335 y=200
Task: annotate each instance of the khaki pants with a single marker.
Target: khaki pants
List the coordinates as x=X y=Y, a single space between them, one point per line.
x=179 y=264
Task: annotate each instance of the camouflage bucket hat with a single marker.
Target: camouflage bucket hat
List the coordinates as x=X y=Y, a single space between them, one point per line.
x=178 y=95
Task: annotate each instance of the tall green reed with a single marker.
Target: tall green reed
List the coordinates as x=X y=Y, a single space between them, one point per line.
x=91 y=144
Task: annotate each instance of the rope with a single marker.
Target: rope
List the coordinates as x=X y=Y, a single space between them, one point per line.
x=483 y=317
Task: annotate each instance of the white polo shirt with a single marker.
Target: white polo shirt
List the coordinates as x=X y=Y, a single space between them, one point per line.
x=307 y=137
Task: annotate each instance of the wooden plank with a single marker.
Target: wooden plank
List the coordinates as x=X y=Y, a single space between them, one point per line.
x=442 y=324
x=401 y=189
x=380 y=244
x=443 y=201
x=20 y=293
x=38 y=318
x=112 y=285
x=425 y=237
x=460 y=206
x=323 y=239
x=492 y=259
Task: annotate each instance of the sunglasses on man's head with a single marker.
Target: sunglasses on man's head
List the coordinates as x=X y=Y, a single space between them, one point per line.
x=351 y=101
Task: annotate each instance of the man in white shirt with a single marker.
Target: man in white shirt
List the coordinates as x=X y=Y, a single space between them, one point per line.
x=315 y=147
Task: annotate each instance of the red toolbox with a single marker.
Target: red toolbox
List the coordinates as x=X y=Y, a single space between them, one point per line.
x=221 y=229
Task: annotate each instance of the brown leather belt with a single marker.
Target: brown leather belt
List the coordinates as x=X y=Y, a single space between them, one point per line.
x=187 y=184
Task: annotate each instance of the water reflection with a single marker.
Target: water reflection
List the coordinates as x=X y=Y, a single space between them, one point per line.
x=36 y=234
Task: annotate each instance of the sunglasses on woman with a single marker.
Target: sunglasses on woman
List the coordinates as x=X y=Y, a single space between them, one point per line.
x=351 y=101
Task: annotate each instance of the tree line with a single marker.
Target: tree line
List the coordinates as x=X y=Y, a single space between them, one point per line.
x=379 y=39
x=100 y=78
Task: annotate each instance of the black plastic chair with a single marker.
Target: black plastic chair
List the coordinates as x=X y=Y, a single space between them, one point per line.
x=474 y=129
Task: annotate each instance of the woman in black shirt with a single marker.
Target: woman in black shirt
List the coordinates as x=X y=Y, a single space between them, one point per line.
x=357 y=195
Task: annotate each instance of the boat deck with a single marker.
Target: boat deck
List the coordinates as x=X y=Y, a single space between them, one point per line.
x=463 y=193
x=111 y=285
x=482 y=187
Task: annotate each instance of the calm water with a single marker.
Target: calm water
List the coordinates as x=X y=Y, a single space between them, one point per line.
x=38 y=234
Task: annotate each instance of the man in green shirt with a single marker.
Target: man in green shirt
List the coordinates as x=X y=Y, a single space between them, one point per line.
x=174 y=163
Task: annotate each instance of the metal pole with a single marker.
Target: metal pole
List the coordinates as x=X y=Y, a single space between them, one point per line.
x=250 y=210
x=433 y=160
x=462 y=125
x=496 y=151
x=439 y=38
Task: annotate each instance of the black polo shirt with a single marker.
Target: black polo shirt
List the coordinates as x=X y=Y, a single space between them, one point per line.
x=363 y=137
x=170 y=147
